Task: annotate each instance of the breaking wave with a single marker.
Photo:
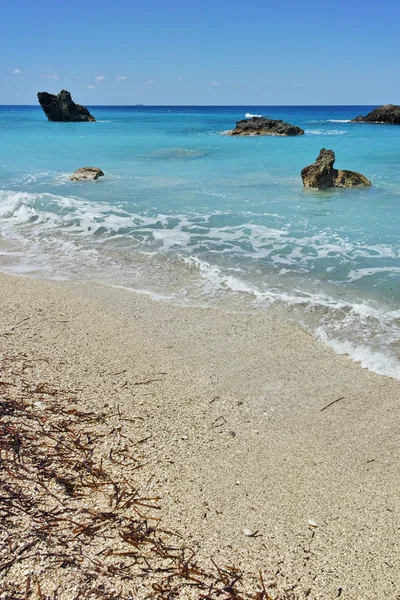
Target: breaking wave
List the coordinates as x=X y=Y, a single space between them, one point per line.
x=274 y=266
x=326 y=131
x=367 y=334
x=278 y=246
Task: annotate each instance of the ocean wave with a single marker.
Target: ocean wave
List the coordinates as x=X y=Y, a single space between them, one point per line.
x=37 y=176
x=368 y=272
x=323 y=121
x=36 y=215
x=325 y=131
x=249 y=115
x=45 y=211
x=373 y=329
x=376 y=361
x=271 y=266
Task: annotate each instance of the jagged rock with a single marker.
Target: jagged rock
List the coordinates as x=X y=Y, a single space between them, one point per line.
x=389 y=113
x=321 y=174
x=61 y=107
x=263 y=126
x=87 y=174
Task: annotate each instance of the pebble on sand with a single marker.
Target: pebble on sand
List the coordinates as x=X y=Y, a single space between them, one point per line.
x=312 y=523
x=248 y=532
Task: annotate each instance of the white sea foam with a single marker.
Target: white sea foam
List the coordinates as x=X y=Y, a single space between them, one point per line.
x=68 y=232
x=367 y=272
x=214 y=278
x=325 y=131
x=378 y=362
x=153 y=295
x=335 y=317
x=321 y=121
x=249 y=115
x=24 y=213
x=68 y=213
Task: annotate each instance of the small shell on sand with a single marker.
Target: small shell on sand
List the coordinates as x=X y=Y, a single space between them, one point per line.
x=312 y=523
x=248 y=532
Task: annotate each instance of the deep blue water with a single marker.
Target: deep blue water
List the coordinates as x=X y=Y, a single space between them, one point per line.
x=198 y=216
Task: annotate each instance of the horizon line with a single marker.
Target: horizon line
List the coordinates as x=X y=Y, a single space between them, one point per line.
x=140 y=105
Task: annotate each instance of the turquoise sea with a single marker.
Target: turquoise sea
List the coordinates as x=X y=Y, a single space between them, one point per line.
x=189 y=214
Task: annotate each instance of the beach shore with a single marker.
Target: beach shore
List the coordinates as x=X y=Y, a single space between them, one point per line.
x=249 y=423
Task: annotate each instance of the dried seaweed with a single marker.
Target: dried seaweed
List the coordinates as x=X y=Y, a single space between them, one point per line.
x=73 y=524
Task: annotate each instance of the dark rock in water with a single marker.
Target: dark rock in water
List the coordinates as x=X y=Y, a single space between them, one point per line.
x=389 y=113
x=87 y=174
x=61 y=107
x=263 y=126
x=322 y=175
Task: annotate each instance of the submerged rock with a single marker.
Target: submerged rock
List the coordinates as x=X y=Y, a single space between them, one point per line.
x=321 y=174
x=61 y=107
x=263 y=126
x=389 y=113
x=87 y=174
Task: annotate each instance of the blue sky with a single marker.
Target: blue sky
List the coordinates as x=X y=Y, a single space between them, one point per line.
x=208 y=52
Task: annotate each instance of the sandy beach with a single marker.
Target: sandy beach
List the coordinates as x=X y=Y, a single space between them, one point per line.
x=248 y=423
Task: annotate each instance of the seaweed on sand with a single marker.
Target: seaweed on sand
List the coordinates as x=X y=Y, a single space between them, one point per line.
x=73 y=524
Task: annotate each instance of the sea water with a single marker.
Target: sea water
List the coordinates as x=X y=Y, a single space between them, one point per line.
x=190 y=214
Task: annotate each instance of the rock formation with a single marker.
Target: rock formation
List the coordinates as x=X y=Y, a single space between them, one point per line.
x=322 y=175
x=389 y=113
x=61 y=107
x=87 y=174
x=263 y=126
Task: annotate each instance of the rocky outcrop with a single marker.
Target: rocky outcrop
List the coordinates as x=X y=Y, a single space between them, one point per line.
x=87 y=174
x=389 y=113
x=61 y=107
x=322 y=174
x=263 y=126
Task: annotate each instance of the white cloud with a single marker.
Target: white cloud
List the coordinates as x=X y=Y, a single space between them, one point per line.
x=149 y=81
x=214 y=83
x=119 y=78
x=90 y=87
x=15 y=72
x=49 y=76
x=100 y=78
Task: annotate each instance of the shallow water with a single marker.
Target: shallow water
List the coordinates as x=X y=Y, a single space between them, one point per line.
x=189 y=213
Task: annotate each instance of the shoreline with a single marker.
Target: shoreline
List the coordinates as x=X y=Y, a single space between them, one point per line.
x=244 y=428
